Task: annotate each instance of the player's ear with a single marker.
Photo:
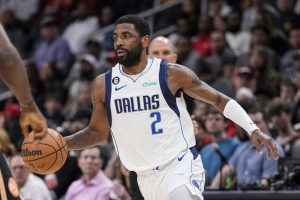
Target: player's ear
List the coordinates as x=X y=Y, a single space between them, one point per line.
x=145 y=40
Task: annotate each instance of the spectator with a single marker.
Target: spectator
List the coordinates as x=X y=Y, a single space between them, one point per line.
x=281 y=114
x=260 y=36
x=6 y=146
x=11 y=115
x=31 y=186
x=80 y=98
x=163 y=48
x=250 y=13
x=53 y=106
x=183 y=29
x=201 y=42
x=187 y=56
x=287 y=67
x=14 y=32
x=288 y=91
x=53 y=49
x=238 y=40
x=246 y=166
x=84 y=70
x=286 y=15
x=220 y=54
x=265 y=79
x=218 y=8
x=78 y=32
x=93 y=184
x=216 y=125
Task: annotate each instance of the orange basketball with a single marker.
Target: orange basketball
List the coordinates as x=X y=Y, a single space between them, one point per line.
x=46 y=157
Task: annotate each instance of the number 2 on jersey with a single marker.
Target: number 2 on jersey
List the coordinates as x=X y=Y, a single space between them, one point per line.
x=157 y=119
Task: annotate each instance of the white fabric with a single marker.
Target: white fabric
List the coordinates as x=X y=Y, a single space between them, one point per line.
x=35 y=188
x=162 y=184
x=238 y=115
x=139 y=149
x=182 y=192
x=78 y=33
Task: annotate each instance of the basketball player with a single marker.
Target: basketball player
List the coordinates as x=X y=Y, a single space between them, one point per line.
x=139 y=102
x=12 y=72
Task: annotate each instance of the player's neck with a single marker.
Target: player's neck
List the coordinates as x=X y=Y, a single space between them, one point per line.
x=138 y=68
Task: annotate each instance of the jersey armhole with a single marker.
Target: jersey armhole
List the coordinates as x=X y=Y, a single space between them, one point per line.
x=169 y=97
x=108 y=76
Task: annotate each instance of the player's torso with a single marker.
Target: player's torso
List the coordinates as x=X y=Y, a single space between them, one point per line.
x=149 y=125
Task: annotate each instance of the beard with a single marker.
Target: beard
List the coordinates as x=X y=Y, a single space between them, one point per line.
x=132 y=58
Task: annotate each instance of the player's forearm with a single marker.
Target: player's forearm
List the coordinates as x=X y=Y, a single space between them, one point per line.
x=85 y=138
x=13 y=73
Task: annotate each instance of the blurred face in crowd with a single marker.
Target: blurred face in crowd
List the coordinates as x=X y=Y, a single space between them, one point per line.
x=200 y=109
x=204 y=24
x=219 y=24
x=258 y=119
x=183 y=26
x=90 y=162
x=162 y=48
x=52 y=106
x=295 y=38
x=280 y=121
x=233 y=22
x=215 y=124
x=106 y=16
x=183 y=47
x=19 y=171
x=287 y=93
x=49 y=31
x=284 y=5
x=217 y=41
x=257 y=60
x=84 y=93
x=259 y=37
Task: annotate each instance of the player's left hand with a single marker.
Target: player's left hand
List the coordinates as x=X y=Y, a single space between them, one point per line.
x=258 y=138
x=32 y=117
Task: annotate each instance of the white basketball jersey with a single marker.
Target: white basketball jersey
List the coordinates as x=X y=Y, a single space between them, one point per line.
x=149 y=125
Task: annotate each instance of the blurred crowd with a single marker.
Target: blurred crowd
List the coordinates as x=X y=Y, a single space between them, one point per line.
x=247 y=49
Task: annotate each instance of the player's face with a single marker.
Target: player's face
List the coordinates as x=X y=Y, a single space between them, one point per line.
x=162 y=50
x=128 y=44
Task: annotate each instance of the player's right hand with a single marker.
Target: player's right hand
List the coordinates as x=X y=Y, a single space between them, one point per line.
x=31 y=116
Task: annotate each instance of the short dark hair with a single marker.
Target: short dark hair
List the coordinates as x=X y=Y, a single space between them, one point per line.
x=277 y=106
x=141 y=26
x=214 y=111
x=258 y=109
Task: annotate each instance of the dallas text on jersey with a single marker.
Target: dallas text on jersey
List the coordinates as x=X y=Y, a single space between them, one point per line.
x=138 y=103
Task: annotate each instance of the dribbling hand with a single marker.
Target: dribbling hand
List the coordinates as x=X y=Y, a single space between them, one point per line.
x=258 y=138
x=31 y=116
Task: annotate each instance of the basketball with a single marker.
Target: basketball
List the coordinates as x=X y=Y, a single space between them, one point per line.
x=46 y=157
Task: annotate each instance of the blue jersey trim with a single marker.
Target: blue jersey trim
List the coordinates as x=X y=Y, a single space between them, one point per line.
x=108 y=76
x=169 y=97
x=126 y=75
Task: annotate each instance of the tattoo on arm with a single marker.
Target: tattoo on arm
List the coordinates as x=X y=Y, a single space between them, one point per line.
x=83 y=139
